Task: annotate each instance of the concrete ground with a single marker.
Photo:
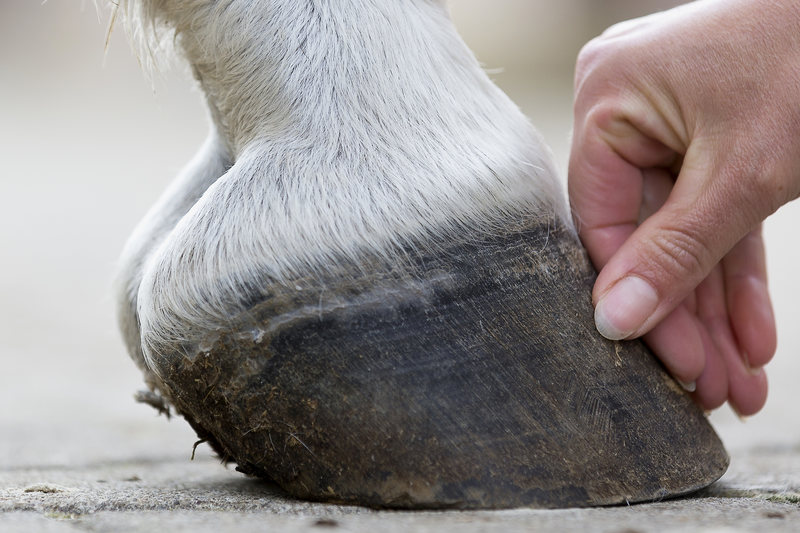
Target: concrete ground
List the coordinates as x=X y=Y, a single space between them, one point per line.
x=85 y=149
x=161 y=490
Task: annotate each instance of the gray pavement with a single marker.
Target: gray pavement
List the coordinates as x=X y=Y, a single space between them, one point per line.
x=760 y=492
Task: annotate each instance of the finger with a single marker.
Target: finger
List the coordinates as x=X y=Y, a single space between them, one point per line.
x=747 y=392
x=656 y=185
x=711 y=388
x=711 y=311
x=748 y=301
x=678 y=344
x=605 y=179
x=671 y=252
x=746 y=388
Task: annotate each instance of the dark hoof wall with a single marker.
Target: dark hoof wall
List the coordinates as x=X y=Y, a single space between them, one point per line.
x=475 y=379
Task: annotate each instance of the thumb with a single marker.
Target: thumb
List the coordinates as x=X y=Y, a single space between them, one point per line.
x=672 y=251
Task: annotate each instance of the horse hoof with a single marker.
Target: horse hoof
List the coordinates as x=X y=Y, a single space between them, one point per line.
x=468 y=378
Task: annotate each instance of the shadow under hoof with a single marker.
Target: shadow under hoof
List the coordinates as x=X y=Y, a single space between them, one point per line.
x=472 y=377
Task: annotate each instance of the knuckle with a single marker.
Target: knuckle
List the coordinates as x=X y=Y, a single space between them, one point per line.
x=592 y=58
x=770 y=185
x=603 y=115
x=679 y=254
x=589 y=53
x=759 y=182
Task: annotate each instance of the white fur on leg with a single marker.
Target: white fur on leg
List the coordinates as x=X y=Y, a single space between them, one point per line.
x=210 y=162
x=355 y=127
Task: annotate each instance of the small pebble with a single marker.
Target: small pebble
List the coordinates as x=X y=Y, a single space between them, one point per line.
x=326 y=522
x=47 y=488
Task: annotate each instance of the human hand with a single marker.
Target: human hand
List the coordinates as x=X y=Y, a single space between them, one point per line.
x=686 y=137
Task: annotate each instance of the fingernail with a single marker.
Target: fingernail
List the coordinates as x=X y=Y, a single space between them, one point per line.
x=624 y=308
x=688 y=387
x=742 y=418
x=753 y=371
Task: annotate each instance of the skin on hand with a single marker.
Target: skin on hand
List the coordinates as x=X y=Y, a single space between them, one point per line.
x=686 y=137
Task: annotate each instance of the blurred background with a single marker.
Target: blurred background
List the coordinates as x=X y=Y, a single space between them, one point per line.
x=86 y=145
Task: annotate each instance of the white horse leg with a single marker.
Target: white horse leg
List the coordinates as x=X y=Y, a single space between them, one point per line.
x=210 y=162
